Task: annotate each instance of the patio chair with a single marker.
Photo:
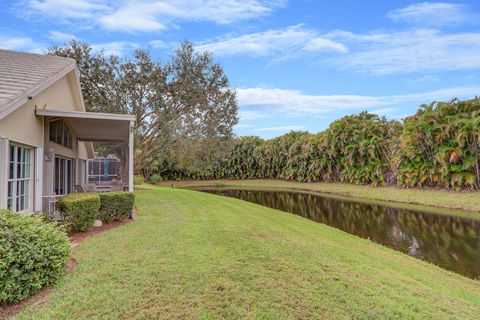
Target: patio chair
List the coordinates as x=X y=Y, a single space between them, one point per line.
x=117 y=185
x=80 y=189
x=91 y=187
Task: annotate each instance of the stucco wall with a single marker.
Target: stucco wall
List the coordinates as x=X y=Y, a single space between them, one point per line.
x=25 y=127
x=82 y=151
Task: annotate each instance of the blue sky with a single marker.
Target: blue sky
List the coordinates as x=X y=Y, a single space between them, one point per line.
x=297 y=65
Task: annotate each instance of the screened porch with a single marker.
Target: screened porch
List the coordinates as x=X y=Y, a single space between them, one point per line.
x=65 y=175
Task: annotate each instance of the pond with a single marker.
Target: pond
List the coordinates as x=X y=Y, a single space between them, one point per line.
x=451 y=242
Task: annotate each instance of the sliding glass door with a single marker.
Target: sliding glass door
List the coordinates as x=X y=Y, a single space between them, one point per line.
x=63 y=175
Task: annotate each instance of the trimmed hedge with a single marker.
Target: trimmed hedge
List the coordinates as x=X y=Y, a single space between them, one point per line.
x=115 y=206
x=79 y=210
x=33 y=254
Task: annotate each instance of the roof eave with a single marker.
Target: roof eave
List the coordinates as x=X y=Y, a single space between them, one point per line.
x=24 y=98
x=84 y=115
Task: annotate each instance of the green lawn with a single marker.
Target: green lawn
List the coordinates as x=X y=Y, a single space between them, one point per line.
x=428 y=197
x=202 y=256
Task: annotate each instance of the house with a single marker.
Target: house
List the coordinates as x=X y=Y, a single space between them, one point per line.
x=46 y=134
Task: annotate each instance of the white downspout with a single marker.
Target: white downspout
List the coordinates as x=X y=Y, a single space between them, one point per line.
x=38 y=198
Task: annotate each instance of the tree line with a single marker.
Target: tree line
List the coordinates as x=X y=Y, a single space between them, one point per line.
x=186 y=111
x=437 y=147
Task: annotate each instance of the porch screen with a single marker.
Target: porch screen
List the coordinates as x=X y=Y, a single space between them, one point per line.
x=103 y=170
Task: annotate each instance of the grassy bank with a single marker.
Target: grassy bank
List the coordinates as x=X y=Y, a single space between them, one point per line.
x=428 y=197
x=202 y=256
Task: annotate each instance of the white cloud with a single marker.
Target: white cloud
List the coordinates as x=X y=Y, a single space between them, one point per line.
x=377 y=52
x=71 y=9
x=62 y=37
x=296 y=102
x=293 y=103
x=157 y=43
x=147 y=16
x=418 y=50
x=415 y=50
x=250 y=115
x=118 y=48
x=281 y=128
x=436 y=95
x=322 y=44
x=432 y=14
x=19 y=43
x=385 y=111
x=280 y=43
x=134 y=17
x=243 y=126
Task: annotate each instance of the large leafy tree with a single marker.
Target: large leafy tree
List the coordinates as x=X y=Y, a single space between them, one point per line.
x=178 y=105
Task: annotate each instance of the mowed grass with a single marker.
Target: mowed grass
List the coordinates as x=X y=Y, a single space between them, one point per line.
x=428 y=197
x=192 y=255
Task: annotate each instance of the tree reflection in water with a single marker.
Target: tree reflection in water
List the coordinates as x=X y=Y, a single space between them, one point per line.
x=447 y=241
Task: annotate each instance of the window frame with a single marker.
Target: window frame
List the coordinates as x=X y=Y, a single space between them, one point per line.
x=65 y=140
x=15 y=182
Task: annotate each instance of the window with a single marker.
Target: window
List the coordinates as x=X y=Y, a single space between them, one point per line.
x=19 y=178
x=59 y=133
x=63 y=176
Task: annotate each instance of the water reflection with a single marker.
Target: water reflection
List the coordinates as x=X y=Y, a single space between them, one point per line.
x=448 y=241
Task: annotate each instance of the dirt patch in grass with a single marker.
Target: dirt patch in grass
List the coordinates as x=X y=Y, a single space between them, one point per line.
x=76 y=238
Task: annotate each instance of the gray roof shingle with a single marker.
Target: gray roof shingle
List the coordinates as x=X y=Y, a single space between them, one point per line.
x=22 y=72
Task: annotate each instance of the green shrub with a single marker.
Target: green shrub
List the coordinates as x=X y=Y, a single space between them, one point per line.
x=115 y=206
x=440 y=146
x=79 y=210
x=32 y=254
x=137 y=180
x=154 y=178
